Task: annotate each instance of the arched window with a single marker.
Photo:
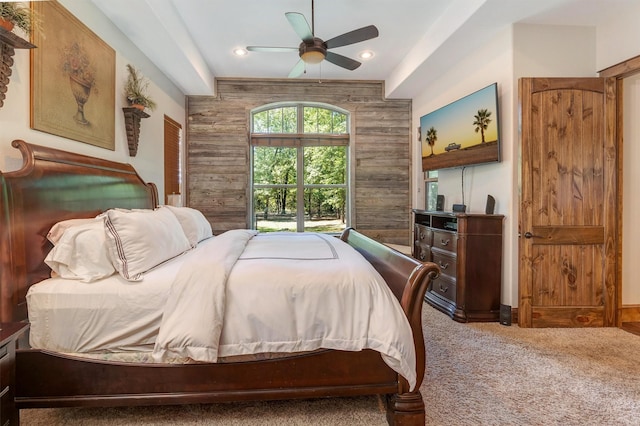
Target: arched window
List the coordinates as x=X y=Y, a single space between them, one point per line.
x=299 y=158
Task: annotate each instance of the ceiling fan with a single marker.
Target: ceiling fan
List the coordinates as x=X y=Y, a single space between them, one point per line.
x=314 y=50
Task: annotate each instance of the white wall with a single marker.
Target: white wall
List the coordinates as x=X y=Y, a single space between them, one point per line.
x=492 y=63
x=14 y=115
x=518 y=51
x=618 y=41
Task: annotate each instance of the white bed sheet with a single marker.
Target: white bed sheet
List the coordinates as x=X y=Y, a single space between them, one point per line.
x=115 y=315
x=108 y=315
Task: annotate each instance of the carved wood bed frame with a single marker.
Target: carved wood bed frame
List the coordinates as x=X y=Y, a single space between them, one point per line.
x=55 y=185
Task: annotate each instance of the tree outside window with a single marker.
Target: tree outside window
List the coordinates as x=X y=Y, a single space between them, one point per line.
x=299 y=159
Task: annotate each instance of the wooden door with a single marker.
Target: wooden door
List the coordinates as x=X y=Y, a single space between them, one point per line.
x=568 y=237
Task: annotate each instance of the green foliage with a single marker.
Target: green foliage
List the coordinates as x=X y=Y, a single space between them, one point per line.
x=285 y=120
x=322 y=120
x=323 y=165
x=274 y=166
x=20 y=14
x=136 y=87
x=275 y=173
x=276 y=120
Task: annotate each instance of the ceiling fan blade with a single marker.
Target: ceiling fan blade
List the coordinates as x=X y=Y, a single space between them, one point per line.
x=355 y=36
x=297 y=70
x=271 y=49
x=342 y=61
x=300 y=25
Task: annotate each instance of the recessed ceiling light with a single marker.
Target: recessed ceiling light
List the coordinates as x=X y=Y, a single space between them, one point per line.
x=240 y=51
x=367 y=54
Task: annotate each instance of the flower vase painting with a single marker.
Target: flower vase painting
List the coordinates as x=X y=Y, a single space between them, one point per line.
x=77 y=64
x=73 y=76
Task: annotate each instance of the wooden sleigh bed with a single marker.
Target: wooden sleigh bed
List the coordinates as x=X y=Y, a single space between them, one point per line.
x=55 y=185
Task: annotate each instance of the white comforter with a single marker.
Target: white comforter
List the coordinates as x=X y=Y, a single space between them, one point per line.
x=242 y=293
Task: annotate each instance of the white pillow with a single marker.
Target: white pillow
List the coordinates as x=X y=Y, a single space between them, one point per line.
x=195 y=226
x=141 y=240
x=57 y=230
x=80 y=253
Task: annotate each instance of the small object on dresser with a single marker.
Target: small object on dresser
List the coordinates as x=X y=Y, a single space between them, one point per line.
x=491 y=204
x=440 y=203
x=459 y=208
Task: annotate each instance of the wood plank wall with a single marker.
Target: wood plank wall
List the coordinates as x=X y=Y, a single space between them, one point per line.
x=217 y=143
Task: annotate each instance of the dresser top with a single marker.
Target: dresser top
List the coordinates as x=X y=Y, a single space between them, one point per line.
x=455 y=214
x=10 y=330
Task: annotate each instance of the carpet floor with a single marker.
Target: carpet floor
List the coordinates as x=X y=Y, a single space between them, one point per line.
x=477 y=374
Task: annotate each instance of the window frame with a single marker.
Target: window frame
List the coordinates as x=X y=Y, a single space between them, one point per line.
x=300 y=140
x=430 y=178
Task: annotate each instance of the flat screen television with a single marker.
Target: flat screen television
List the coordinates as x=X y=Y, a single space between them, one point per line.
x=462 y=133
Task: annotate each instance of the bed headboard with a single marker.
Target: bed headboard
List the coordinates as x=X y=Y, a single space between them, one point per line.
x=51 y=186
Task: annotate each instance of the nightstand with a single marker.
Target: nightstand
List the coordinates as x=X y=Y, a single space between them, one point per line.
x=9 y=334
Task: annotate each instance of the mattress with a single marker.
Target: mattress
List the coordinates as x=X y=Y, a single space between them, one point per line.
x=285 y=293
x=104 y=316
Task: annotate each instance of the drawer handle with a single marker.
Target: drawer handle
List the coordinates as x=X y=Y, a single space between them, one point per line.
x=443 y=289
x=444 y=242
x=422 y=235
x=443 y=266
x=422 y=256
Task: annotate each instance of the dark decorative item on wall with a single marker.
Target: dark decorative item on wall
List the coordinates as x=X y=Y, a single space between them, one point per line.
x=8 y=43
x=73 y=79
x=136 y=90
x=12 y=15
x=132 y=118
x=462 y=133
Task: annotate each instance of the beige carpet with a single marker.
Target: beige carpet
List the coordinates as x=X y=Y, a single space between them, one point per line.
x=477 y=374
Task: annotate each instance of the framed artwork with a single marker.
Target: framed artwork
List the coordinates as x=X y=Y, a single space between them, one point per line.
x=463 y=133
x=72 y=79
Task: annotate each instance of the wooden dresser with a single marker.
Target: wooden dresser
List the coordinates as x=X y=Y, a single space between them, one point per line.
x=9 y=334
x=468 y=249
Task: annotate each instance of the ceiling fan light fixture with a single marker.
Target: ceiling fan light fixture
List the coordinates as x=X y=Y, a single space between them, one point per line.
x=240 y=52
x=314 y=50
x=367 y=54
x=312 y=56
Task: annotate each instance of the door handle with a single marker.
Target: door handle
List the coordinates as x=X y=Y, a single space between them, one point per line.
x=528 y=235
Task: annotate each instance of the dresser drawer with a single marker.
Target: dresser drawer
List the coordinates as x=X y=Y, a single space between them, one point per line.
x=423 y=234
x=6 y=406
x=446 y=261
x=445 y=240
x=422 y=252
x=6 y=375
x=445 y=287
x=10 y=333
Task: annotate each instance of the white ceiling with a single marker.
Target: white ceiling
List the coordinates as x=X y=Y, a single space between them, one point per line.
x=192 y=41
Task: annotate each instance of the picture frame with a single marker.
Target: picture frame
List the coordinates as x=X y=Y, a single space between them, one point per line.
x=463 y=133
x=72 y=79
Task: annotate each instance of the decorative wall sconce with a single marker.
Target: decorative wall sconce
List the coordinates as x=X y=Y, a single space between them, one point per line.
x=8 y=42
x=132 y=117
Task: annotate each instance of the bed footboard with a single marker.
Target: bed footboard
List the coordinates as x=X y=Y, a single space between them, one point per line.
x=409 y=280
